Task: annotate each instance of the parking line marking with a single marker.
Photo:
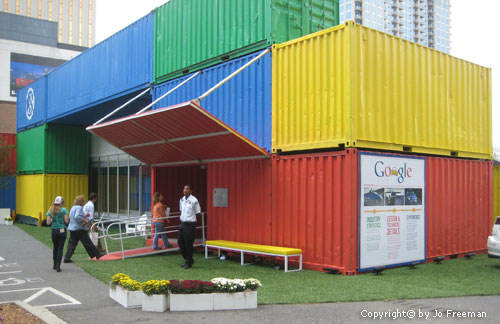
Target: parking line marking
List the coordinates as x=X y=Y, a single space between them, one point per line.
x=1 y=273
x=72 y=301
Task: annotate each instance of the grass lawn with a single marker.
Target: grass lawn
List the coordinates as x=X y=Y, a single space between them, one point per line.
x=458 y=277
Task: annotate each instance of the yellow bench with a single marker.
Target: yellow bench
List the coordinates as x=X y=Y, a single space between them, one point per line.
x=256 y=249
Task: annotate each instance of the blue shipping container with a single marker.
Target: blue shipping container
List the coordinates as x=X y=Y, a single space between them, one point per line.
x=32 y=105
x=119 y=65
x=8 y=192
x=243 y=103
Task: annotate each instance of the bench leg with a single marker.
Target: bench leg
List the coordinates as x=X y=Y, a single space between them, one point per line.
x=300 y=264
x=206 y=253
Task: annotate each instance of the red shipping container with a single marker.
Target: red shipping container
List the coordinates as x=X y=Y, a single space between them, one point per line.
x=311 y=202
x=11 y=139
x=248 y=215
x=459 y=198
x=315 y=208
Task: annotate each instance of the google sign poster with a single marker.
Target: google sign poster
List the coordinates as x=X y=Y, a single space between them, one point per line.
x=392 y=210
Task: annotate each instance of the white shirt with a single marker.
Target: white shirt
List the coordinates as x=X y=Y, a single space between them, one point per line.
x=189 y=207
x=89 y=209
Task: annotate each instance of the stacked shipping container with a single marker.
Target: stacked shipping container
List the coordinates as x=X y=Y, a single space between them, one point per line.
x=348 y=86
x=52 y=161
x=195 y=34
x=351 y=86
x=54 y=158
x=311 y=201
x=8 y=171
x=339 y=89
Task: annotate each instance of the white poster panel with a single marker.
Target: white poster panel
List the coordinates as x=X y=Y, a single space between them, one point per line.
x=392 y=210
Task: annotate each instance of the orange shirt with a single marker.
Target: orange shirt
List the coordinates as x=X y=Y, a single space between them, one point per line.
x=159 y=211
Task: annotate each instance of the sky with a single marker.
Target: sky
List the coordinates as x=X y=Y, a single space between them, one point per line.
x=474 y=25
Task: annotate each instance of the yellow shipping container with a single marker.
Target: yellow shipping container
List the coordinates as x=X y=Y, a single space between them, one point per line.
x=496 y=191
x=351 y=86
x=35 y=193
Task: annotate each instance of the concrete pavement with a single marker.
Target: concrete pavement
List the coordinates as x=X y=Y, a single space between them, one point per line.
x=78 y=298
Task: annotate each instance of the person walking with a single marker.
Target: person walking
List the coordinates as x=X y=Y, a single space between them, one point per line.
x=89 y=211
x=77 y=232
x=190 y=208
x=57 y=218
x=159 y=222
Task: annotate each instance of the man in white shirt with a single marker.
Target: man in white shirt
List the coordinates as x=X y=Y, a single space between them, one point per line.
x=89 y=210
x=190 y=208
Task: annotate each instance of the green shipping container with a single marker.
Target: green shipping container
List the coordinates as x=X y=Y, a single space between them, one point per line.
x=53 y=149
x=194 y=34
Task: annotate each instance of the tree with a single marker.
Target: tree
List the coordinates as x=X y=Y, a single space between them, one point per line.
x=7 y=174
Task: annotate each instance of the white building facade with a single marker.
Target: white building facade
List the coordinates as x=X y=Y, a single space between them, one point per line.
x=426 y=22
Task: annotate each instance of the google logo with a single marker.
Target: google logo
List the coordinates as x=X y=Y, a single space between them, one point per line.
x=386 y=171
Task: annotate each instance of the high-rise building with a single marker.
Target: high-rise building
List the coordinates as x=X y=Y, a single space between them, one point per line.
x=75 y=18
x=426 y=22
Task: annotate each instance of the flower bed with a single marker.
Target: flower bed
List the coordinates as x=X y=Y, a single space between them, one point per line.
x=125 y=291
x=192 y=295
x=155 y=295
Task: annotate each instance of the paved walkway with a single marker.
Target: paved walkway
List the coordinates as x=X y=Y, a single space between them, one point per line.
x=78 y=298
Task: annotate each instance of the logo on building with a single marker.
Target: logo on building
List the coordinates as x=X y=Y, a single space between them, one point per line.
x=30 y=103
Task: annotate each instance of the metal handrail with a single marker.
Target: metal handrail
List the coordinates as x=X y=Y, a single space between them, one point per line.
x=143 y=233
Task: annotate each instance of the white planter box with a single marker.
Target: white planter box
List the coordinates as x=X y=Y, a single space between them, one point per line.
x=8 y=222
x=191 y=302
x=128 y=299
x=237 y=300
x=154 y=303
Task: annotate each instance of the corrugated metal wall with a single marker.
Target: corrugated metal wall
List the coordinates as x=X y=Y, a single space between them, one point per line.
x=496 y=192
x=171 y=181
x=37 y=114
x=193 y=34
x=354 y=86
x=243 y=103
x=8 y=192
x=36 y=192
x=116 y=66
x=10 y=142
x=53 y=149
x=459 y=205
x=315 y=208
x=248 y=215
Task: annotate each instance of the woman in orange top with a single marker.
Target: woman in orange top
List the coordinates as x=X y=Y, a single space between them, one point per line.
x=159 y=221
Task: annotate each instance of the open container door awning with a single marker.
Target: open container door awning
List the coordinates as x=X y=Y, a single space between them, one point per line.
x=180 y=134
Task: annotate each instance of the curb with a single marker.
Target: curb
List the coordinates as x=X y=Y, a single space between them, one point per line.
x=39 y=311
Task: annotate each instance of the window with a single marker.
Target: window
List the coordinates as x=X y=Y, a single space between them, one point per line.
x=122 y=184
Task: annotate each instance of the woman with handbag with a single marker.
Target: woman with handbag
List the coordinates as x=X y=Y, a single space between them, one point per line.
x=58 y=219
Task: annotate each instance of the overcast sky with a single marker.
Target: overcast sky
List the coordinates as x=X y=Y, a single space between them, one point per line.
x=474 y=25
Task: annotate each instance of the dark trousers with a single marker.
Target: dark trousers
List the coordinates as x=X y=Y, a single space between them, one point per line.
x=187 y=231
x=58 y=239
x=74 y=238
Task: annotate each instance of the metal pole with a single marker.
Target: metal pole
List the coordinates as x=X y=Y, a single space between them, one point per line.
x=203 y=226
x=118 y=186
x=128 y=187
x=233 y=74
x=166 y=94
x=121 y=107
x=107 y=188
